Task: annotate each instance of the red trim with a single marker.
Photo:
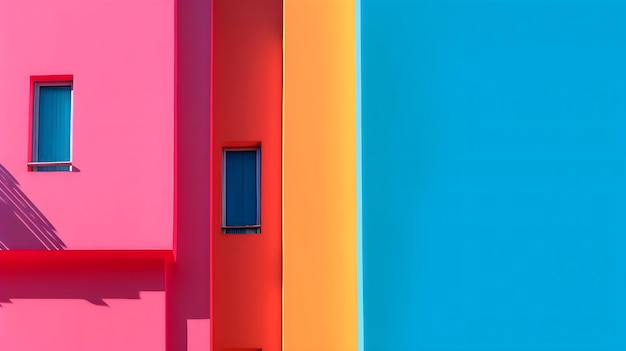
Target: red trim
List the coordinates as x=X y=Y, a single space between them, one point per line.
x=33 y=80
x=15 y=256
x=52 y=78
x=236 y=144
x=29 y=157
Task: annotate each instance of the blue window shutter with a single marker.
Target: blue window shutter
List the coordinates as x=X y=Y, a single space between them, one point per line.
x=54 y=125
x=249 y=188
x=241 y=188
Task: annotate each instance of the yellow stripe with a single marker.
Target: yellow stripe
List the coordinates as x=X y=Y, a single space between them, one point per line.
x=319 y=176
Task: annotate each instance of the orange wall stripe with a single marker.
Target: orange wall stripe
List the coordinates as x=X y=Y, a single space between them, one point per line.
x=319 y=183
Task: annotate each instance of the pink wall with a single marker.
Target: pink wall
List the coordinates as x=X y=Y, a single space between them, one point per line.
x=139 y=189
x=97 y=306
x=121 y=55
x=90 y=292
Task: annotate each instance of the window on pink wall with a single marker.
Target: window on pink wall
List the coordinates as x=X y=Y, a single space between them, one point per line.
x=51 y=125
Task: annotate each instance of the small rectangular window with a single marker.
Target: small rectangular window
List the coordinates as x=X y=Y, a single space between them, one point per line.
x=241 y=196
x=52 y=126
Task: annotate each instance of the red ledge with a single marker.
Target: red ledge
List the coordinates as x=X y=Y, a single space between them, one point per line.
x=85 y=255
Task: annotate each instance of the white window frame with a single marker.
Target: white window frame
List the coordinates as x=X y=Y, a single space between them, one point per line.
x=35 y=137
x=256 y=226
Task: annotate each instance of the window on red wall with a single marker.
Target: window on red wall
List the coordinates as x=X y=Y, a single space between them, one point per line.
x=52 y=126
x=241 y=195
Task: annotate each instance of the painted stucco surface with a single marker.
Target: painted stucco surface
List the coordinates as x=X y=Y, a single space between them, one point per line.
x=246 y=112
x=188 y=279
x=493 y=175
x=319 y=211
x=67 y=306
x=121 y=56
x=121 y=194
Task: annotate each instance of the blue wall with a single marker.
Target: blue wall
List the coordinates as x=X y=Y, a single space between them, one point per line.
x=494 y=175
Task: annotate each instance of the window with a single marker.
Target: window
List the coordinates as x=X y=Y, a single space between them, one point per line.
x=52 y=126
x=241 y=196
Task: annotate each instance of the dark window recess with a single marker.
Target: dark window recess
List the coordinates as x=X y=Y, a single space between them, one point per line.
x=241 y=192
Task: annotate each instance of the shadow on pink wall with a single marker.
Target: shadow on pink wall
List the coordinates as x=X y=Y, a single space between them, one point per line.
x=187 y=298
x=22 y=225
x=93 y=281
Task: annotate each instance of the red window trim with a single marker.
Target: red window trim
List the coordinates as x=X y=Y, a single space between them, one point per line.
x=33 y=80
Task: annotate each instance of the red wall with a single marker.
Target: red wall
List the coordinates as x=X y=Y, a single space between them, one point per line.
x=246 y=111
